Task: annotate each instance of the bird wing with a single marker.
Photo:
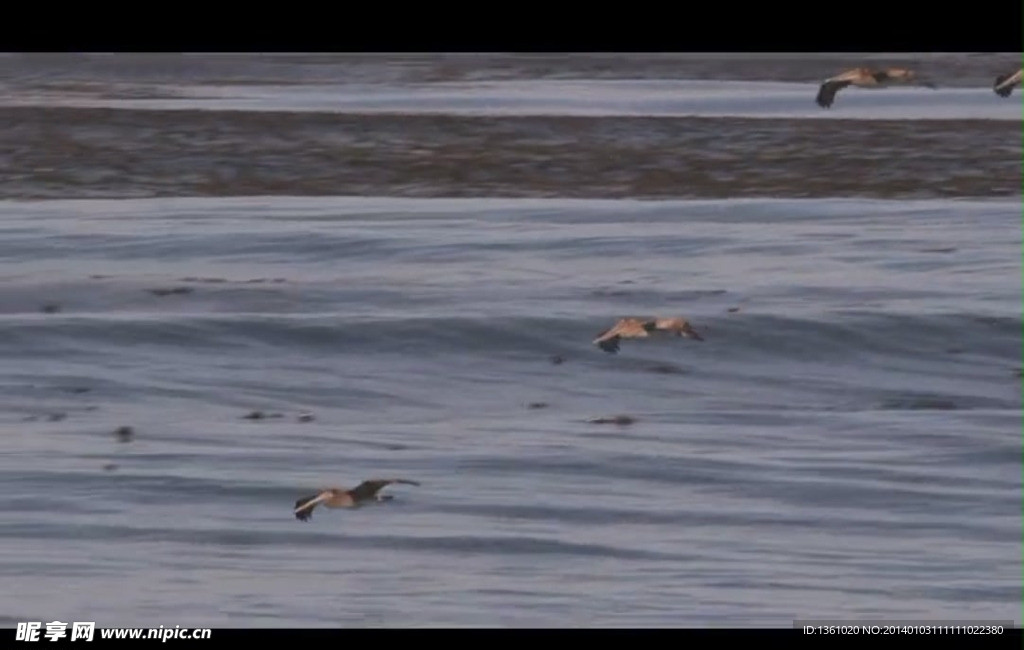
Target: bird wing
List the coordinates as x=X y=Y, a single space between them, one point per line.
x=626 y=327
x=609 y=339
x=1001 y=88
x=827 y=91
x=369 y=489
x=304 y=506
x=1004 y=83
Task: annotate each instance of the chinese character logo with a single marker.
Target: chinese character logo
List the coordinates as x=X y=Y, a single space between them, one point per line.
x=56 y=630
x=28 y=631
x=82 y=630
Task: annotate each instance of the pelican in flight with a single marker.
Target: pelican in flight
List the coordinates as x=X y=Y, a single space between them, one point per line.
x=866 y=78
x=638 y=328
x=341 y=498
x=1004 y=83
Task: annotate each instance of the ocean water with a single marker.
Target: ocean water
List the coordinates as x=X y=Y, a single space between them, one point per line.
x=845 y=443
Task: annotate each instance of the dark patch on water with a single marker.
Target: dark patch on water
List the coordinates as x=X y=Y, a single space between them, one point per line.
x=261 y=415
x=206 y=280
x=58 y=153
x=666 y=369
x=620 y=420
x=919 y=403
x=173 y=291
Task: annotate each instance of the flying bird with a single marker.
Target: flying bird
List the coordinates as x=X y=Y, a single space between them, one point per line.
x=363 y=493
x=1004 y=83
x=866 y=78
x=638 y=328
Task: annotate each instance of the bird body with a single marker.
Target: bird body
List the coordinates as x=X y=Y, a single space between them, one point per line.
x=365 y=492
x=866 y=78
x=637 y=328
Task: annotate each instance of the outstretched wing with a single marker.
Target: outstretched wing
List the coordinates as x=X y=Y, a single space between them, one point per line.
x=1004 y=83
x=1001 y=88
x=369 y=489
x=610 y=339
x=827 y=91
x=304 y=506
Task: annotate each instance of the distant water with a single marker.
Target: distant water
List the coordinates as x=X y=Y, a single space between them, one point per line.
x=845 y=443
x=590 y=98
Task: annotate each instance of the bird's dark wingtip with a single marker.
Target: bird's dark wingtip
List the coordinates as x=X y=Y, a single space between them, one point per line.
x=822 y=99
x=303 y=514
x=1002 y=92
x=611 y=346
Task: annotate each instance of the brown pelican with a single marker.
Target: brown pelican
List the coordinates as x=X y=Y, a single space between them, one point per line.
x=1004 y=83
x=343 y=498
x=637 y=328
x=866 y=78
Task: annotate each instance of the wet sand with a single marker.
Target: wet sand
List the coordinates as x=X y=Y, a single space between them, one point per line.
x=94 y=153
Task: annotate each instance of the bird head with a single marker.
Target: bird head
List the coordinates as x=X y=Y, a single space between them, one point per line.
x=687 y=330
